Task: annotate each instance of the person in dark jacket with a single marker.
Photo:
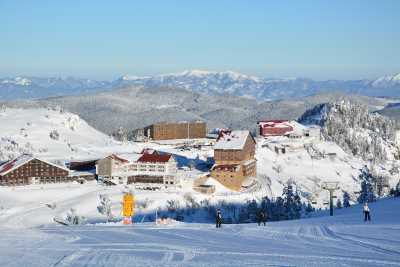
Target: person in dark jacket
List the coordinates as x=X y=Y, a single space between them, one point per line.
x=262 y=217
x=218 y=219
x=367 y=216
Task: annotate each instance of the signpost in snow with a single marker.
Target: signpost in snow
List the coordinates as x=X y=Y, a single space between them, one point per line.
x=331 y=187
x=128 y=208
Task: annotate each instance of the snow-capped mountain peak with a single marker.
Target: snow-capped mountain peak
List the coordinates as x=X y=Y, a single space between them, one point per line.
x=198 y=73
x=387 y=81
x=201 y=81
x=22 y=81
x=18 y=81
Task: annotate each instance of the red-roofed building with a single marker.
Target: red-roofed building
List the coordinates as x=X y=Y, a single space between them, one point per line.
x=156 y=168
x=149 y=167
x=274 y=127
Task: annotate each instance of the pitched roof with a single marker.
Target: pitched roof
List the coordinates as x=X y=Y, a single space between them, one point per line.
x=22 y=160
x=232 y=140
x=119 y=158
x=275 y=124
x=154 y=158
x=148 y=151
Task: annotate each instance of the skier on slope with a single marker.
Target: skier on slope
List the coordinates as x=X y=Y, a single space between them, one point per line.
x=218 y=219
x=366 y=211
x=261 y=217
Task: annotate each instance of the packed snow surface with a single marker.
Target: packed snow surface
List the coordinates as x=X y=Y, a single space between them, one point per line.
x=28 y=237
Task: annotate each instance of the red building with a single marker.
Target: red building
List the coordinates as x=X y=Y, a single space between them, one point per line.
x=274 y=127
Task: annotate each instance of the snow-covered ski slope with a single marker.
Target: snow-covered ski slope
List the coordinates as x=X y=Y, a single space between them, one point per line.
x=52 y=134
x=342 y=240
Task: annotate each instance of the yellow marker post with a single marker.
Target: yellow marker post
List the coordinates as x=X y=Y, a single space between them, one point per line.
x=128 y=208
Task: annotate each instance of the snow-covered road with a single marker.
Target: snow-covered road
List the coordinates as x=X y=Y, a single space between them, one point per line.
x=343 y=240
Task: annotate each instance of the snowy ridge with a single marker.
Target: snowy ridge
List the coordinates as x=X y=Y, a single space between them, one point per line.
x=349 y=124
x=50 y=133
x=239 y=84
x=210 y=82
x=40 y=87
x=387 y=81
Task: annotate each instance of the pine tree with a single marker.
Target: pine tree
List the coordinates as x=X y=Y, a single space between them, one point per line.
x=105 y=207
x=367 y=190
x=397 y=190
x=279 y=209
x=346 y=200
x=266 y=206
x=309 y=208
x=290 y=202
x=298 y=205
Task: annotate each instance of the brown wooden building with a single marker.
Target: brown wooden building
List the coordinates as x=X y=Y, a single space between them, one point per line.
x=27 y=169
x=234 y=159
x=176 y=130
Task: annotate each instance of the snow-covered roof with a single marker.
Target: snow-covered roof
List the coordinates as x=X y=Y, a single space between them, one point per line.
x=131 y=157
x=21 y=160
x=232 y=140
x=275 y=123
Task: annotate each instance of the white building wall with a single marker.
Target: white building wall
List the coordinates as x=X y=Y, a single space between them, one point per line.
x=167 y=170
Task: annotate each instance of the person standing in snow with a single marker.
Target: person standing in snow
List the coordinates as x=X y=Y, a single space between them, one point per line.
x=261 y=217
x=366 y=211
x=218 y=219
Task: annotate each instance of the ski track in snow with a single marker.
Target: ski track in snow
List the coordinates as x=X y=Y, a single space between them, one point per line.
x=282 y=244
x=28 y=238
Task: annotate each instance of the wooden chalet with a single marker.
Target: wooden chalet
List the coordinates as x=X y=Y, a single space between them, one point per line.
x=27 y=169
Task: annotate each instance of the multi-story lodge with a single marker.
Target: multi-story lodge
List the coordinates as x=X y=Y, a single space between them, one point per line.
x=153 y=168
x=108 y=167
x=175 y=130
x=27 y=169
x=149 y=167
x=234 y=158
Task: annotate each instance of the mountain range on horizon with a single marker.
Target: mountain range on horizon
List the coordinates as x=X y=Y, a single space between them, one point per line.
x=209 y=82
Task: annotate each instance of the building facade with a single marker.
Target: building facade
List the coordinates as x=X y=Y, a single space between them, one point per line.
x=153 y=168
x=274 y=127
x=108 y=167
x=176 y=130
x=148 y=167
x=234 y=155
x=27 y=169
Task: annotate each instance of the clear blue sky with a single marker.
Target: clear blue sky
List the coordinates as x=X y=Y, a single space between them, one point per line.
x=104 y=39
